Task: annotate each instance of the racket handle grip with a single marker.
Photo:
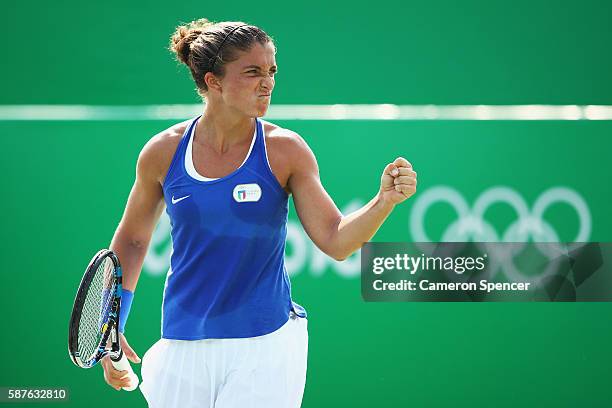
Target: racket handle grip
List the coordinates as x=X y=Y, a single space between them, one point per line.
x=124 y=365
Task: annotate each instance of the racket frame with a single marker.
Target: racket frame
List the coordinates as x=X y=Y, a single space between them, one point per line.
x=113 y=315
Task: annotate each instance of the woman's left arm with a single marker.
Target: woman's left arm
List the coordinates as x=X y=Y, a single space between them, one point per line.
x=337 y=235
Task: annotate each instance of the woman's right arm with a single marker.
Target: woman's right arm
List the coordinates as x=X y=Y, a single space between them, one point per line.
x=133 y=235
x=142 y=211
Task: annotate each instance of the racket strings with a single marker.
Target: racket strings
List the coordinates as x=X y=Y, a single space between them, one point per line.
x=96 y=310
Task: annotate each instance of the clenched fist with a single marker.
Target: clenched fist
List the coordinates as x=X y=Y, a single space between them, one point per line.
x=398 y=181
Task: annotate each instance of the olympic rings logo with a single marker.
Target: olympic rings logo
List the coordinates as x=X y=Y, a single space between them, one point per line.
x=470 y=224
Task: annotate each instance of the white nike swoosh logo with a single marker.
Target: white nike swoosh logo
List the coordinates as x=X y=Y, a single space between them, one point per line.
x=179 y=199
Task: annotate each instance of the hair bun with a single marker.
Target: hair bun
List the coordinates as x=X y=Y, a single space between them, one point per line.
x=184 y=35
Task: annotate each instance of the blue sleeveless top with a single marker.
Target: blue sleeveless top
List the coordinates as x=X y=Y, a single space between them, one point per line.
x=227 y=276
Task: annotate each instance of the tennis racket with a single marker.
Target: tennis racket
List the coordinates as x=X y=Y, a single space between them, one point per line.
x=94 y=323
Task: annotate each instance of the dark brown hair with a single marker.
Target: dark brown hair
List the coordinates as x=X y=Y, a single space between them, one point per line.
x=205 y=46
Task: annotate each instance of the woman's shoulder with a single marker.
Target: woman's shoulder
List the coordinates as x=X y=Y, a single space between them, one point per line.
x=283 y=139
x=168 y=139
x=156 y=155
x=287 y=152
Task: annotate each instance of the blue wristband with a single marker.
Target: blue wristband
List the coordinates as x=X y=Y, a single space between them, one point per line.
x=126 y=305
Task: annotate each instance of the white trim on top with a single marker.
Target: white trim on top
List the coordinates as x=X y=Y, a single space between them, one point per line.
x=265 y=146
x=190 y=167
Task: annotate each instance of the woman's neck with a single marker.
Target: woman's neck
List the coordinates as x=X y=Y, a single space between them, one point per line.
x=223 y=129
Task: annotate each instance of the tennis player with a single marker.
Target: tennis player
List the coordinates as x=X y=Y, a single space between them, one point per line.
x=231 y=335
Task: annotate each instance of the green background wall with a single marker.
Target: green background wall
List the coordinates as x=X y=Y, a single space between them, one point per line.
x=65 y=184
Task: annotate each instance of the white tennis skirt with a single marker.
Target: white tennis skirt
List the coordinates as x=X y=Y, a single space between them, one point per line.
x=256 y=372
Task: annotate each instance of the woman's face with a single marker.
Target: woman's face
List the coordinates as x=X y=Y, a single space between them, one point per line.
x=249 y=81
